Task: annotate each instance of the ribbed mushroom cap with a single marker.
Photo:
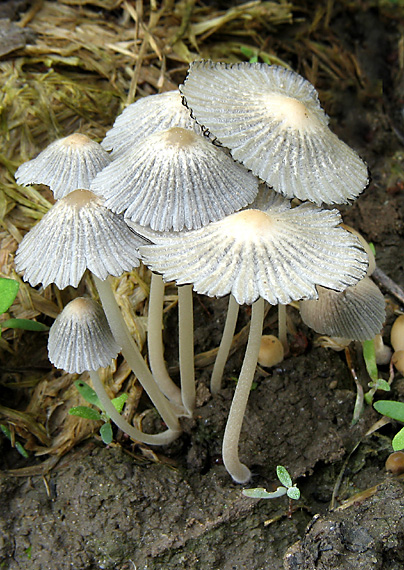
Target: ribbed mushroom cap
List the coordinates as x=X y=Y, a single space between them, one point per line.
x=77 y=233
x=65 y=165
x=175 y=179
x=358 y=313
x=271 y=120
x=280 y=255
x=146 y=116
x=80 y=338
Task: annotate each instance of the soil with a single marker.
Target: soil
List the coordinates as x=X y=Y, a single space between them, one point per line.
x=118 y=508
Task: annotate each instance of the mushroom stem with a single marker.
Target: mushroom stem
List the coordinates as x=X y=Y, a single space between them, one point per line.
x=225 y=345
x=186 y=347
x=163 y=438
x=282 y=327
x=132 y=354
x=155 y=341
x=240 y=472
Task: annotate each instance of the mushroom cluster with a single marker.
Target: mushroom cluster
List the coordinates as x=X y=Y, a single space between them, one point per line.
x=198 y=186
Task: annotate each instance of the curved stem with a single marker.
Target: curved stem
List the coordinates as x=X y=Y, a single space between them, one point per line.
x=151 y=439
x=225 y=345
x=155 y=341
x=240 y=472
x=186 y=347
x=132 y=354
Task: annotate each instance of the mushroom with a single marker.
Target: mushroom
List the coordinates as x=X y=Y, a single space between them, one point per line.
x=271 y=120
x=77 y=233
x=357 y=313
x=65 y=165
x=174 y=179
x=397 y=342
x=271 y=351
x=146 y=116
x=278 y=255
x=81 y=340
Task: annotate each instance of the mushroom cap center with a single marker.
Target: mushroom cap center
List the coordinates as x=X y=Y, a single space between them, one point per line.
x=77 y=139
x=291 y=111
x=79 y=308
x=177 y=136
x=248 y=225
x=80 y=198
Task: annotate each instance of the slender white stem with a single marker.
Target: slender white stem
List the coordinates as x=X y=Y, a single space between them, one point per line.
x=282 y=327
x=155 y=341
x=225 y=345
x=163 y=438
x=132 y=354
x=240 y=472
x=186 y=347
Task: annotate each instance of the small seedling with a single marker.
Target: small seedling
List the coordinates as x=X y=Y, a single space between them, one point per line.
x=15 y=444
x=8 y=292
x=395 y=411
x=287 y=488
x=90 y=414
x=376 y=383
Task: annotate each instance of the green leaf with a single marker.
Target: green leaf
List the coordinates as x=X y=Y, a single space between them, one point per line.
x=398 y=441
x=24 y=324
x=382 y=385
x=394 y=410
x=106 y=433
x=8 y=292
x=369 y=354
x=119 y=402
x=85 y=412
x=6 y=431
x=21 y=449
x=293 y=493
x=88 y=393
x=283 y=476
x=261 y=493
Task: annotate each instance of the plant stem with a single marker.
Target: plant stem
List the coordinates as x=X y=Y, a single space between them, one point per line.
x=240 y=472
x=150 y=439
x=225 y=345
x=132 y=354
x=186 y=347
x=155 y=341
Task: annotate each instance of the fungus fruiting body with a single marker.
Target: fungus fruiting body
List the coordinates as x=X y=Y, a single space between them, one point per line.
x=146 y=116
x=175 y=180
x=81 y=340
x=271 y=120
x=78 y=232
x=277 y=255
x=65 y=165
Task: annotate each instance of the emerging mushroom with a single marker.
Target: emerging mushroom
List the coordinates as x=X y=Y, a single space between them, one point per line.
x=79 y=340
x=271 y=120
x=278 y=255
x=65 y=165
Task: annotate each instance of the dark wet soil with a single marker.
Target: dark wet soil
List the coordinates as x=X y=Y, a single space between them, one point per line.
x=112 y=508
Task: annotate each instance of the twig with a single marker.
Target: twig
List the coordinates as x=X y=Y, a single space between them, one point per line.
x=386 y=283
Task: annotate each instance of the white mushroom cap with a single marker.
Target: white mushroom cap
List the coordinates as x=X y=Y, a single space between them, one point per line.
x=146 y=116
x=271 y=120
x=77 y=233
x=358 y=313
x=65 y=165
x=175 y=179
x=280 y=255
x=80 y=338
